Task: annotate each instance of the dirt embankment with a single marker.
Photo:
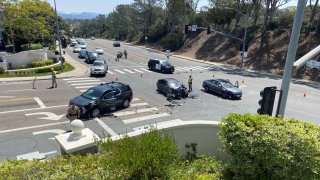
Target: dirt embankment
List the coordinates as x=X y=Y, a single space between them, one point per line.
x=270 y=58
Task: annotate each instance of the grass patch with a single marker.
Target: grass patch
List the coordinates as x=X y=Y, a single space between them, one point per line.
x=39 y=72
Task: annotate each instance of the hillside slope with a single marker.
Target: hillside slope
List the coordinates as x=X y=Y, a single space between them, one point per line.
x=217 y=48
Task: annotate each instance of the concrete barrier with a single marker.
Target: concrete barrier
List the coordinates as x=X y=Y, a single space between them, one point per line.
x=25 y=57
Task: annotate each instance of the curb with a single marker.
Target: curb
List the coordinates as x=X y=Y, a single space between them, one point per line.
x=69 y=59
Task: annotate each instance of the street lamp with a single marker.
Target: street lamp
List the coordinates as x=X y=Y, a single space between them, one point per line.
x=245 y=34
x=58 y=34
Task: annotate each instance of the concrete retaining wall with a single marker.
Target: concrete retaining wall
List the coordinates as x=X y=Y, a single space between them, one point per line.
x=25 y=57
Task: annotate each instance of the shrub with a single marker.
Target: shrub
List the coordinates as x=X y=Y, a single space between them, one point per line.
x=148 y=156
x=264 y=147
x=35 y=64
x=2 y=71
x=272 y=25
x=172 y=41
x=26 y=47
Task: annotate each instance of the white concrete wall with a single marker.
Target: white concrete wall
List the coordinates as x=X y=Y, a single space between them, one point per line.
x=25 y=57
x=204 y=133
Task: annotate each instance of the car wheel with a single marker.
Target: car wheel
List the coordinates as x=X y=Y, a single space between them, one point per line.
x=162 y=70
x=126 y=103
x=95 y=113
x=91 y=75
x=225 y=95
x=206 y=89
x=149 y=67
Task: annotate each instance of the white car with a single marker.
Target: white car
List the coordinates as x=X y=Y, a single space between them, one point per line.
x=99 y=67
x=82 y=45
x=98 y=50
x=76 y=49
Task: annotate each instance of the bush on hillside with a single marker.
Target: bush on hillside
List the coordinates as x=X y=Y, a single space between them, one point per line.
x=157 y=31
x=172 y=41
x=26 y=47
x=264 y=147
x=272 y=25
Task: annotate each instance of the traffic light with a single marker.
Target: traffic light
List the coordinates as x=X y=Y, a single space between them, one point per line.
x=266 y=103
x=208 y=30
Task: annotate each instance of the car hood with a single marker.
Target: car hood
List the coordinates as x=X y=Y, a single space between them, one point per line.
x=234 y=90
x=81 y=101
x=97 y=67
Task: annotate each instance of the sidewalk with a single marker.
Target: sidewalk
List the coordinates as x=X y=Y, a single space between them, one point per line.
x=79 y=70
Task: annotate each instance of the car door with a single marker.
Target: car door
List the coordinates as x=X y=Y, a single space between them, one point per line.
x=158 y=66
x=109 y=101
x=215 y=86
x=218 y=87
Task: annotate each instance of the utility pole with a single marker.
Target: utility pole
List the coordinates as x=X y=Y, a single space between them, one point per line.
x=58 y=34
x=291 y=54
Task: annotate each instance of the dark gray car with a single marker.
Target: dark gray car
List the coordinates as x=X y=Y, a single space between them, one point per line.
x=222 y=87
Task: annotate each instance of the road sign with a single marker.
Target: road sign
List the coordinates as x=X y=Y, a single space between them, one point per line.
x=49 y=115
x=194 y=28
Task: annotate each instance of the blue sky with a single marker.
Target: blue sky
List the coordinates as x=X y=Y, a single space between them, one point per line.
x=105 y=6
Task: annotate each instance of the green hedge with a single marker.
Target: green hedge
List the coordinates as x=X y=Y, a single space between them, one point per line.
x=56 y=68
x=26 y=47
x=35 y=64
x=264 y=147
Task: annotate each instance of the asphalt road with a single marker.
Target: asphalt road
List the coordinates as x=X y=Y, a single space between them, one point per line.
x=30 y=118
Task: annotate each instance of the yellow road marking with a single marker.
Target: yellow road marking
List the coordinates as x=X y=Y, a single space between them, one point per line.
x=17 y=99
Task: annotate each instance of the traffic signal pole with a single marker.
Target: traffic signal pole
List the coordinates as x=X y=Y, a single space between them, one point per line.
x=291 y=54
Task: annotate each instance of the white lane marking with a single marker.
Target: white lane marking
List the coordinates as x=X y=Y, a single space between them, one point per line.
x=145 y=69
x=197 y=68
x=125 y=113
x=242 y=86
x=80 y=84
x=7 y=97
x=182 y=68
x=82 y=81
x=138 y=71
x=39 y=102
x=49 y=115
x=83 y=87
x=156 y=124
x=128 y=71
x=83 y=90
x=143 y=118
x=20 y=90
x=106 y=127
x=110 y=72
x=51 y=131
x=119 y=71
x=50 y=152
x=33 y=127
x=138 y=104
x=135 y=99
x=22 y=110
x=74 y=79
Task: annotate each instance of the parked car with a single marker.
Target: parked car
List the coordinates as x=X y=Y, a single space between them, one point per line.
x=93 y=38
x=76 y=49
x=83 y=45
x=91 y=57
x=82 y=53
x=73 y=43
x=98 y=50
x=222 y=87
x=116 y=44
x=99 y=67
x=171 y=87
x=103 y=97
x=160 y=65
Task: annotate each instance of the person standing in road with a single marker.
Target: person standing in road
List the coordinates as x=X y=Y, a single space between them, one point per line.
x=125 y=54
x=73 y=112
x=54 y=78
x=190 y=83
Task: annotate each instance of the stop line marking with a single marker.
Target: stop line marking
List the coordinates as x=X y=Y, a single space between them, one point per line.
x=133 y=120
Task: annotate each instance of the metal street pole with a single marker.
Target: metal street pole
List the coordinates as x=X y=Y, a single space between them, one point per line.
x=244 y=39
x=291 y=54
x=58 y=34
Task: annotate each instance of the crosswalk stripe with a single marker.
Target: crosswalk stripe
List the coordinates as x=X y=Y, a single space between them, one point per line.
x=89 y=83
x=119 y=71
x=91 y=80
x=199 y=68
x=106 y=127
x=82 y=87
x=71 y=79
x=144 y=69
x=138 y=71
x=135 y=99
x=83 y=90
x=128 y=70
x=139 y=104
x=143 y=118
x=110 y=72
x=182 y=68
x=125 y=113
x=156 y=124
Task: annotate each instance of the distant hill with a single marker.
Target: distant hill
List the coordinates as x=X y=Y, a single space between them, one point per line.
x=83 y=15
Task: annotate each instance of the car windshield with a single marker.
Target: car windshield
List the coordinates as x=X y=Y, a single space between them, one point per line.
x=226 y=84
x=82 y=43
x=174 y=84
x=98 y=49
x=92 y=94
x=165 y=63
x=97 y=64
x=93 y=54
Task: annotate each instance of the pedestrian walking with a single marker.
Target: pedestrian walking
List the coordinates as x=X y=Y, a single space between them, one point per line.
x=73 y=112
x=54 y=78
x=190 y=83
